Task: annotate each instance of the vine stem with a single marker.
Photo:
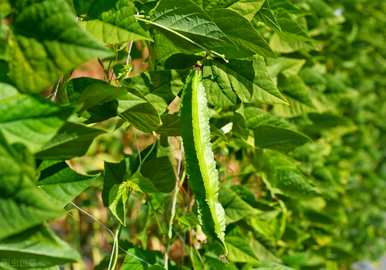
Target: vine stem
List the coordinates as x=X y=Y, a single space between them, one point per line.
x=115 y=250
x=179 y=181
x=129 y=48
x=142 y=19
x=93 y=218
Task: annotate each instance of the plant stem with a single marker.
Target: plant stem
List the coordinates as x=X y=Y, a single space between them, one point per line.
x=115 y=250
x=179 y=180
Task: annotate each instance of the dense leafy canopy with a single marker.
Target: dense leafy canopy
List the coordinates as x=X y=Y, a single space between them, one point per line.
x=201 y=134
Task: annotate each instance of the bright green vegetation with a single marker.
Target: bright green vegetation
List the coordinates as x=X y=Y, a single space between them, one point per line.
x=200 y=134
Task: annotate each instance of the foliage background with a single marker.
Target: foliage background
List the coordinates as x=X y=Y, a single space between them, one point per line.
x=92 y=162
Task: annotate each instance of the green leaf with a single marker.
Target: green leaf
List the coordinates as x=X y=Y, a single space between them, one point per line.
x=219 y=89
x=201 y=166
x=62 y=184
x=267 y=15
x=245 y=40
x=247 y=8
x=139 y=259
x=45 y=45
x=244 y=248
x=268 y=266
x=287 y=66
x=90 y=92
x=5 y=8
x=115 y=190
x=235 y=207
x=295 y=88
x=71 y=141
x=171 y=125
x=30 y=120
x=163 y=83
x=143 y=116
x=114 y=23
x=22 y=204
x=277 y=138
x=249 y=80
x=37 y=247
x=285 y=177
x=159 y=171
x=118 y=205
x=139 y=111
x=187 y=22
x=256 y=117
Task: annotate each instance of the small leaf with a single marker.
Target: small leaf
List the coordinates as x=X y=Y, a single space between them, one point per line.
x=115 y=191
x=247 y=8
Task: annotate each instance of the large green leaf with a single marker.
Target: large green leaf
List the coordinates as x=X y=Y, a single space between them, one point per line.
x=71 y=141
x=249 y=79
x=219 y=90
x=201 y=166
x=22 y=204
x=62 y=184
x=36 y=248
x=187 y=22
x=46 y=43
x=112 y=22
x=30 y=120
x=246 y=41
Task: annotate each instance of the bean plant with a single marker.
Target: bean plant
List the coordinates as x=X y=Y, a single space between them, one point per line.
x=192 y=134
